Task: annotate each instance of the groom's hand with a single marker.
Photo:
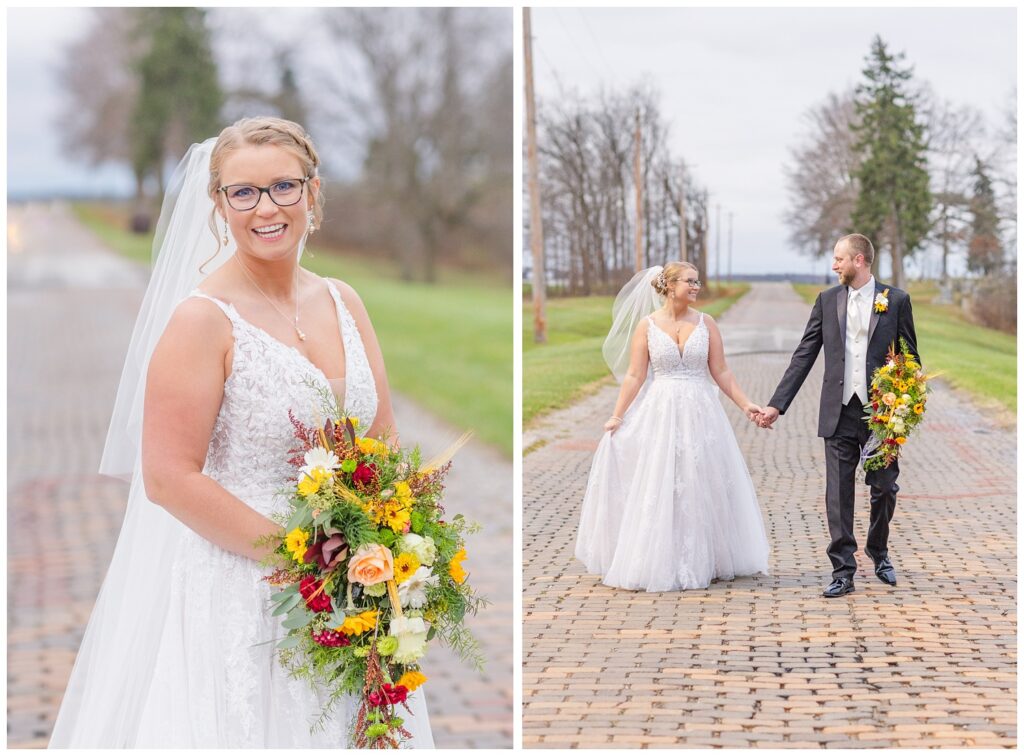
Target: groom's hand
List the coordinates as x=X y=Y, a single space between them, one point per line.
x=768 y=416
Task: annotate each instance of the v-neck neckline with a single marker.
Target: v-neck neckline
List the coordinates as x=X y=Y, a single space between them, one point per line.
x=681 y=349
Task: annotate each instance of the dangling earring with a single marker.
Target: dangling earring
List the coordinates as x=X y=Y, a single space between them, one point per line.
x=310 y=221
x=225 y=239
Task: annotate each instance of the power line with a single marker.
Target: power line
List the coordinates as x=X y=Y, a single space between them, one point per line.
x=600 y=50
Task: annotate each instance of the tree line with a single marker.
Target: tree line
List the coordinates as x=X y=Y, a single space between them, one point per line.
x=411 y=110
x=894 y=161
x=588 y=188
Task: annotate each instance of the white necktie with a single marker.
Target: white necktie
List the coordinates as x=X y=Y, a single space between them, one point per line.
x=853 y=314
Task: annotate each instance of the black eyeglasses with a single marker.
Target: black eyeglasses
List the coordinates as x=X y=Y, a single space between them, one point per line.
x=282 y=193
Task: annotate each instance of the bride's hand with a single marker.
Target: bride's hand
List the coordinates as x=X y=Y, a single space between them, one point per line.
x=753 y=412
x=613 y=424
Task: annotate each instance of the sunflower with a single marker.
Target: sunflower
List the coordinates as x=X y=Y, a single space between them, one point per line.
x=296 y=542
x=406 y=565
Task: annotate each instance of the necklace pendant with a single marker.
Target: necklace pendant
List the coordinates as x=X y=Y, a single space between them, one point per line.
x=302 y=336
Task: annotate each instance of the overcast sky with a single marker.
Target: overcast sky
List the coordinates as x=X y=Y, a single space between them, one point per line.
x=36 y=42
x=735 y=83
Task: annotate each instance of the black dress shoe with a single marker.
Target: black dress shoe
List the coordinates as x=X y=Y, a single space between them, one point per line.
x=839 y=587
x=885 y=571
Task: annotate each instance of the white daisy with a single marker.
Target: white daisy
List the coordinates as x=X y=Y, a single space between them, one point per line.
x=412 y=592
x=319 y=457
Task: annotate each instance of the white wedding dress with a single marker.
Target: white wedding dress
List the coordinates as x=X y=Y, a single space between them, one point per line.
x=217 y=682
x=669 y=504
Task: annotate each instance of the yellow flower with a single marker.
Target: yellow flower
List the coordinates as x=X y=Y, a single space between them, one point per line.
x=402 y=491
x=360 y=623
x=918 y=408
x=412 y=680
x=901 y=440
x=406 y=565
x=458 y=574
x=396 y=515
x=372 y=446
x=311 y=482
x=296 y=542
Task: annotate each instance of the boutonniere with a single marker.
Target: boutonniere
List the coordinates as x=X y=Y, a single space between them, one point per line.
x=882 y=301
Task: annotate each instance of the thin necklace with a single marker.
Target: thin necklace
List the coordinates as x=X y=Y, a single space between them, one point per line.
x=295 y=322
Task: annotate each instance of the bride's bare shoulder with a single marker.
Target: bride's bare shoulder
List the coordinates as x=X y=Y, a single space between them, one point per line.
x=350 y=297
x=199 y=315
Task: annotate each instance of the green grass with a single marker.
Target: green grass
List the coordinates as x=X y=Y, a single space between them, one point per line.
x=570 y=365
x=981 y=361
x=448 y=346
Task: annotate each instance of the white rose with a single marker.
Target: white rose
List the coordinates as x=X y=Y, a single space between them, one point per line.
x=411 y=633
x=422 y=546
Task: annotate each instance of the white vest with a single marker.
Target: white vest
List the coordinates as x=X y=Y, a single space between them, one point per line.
x=858 y=320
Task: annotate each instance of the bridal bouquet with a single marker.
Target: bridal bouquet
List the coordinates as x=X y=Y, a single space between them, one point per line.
x=370 y=571
x=899 y=392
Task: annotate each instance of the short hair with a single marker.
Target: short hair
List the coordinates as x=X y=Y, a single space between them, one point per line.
x=860 y=245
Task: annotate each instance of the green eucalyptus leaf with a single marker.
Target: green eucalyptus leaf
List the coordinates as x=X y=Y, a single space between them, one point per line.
x=299 y=519
x=280 y=596
x=289 y=642
x=287 y=605
x=298 y=617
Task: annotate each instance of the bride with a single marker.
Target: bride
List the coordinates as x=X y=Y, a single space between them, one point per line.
x=179 y=650
x=669 y=504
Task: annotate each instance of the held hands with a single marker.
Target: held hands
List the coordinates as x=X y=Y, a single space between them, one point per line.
x=767 y=417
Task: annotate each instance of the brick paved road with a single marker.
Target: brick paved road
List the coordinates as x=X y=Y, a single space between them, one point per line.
x=766 y=661
x=71 y=307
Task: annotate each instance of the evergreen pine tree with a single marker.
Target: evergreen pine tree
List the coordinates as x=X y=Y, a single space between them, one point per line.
x=894 y=200
x=984 y=249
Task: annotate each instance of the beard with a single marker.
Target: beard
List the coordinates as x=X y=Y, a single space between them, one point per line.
x=845 y=278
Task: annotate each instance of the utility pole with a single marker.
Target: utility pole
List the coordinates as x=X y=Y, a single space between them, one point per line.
x=639 y=236
x=683 y=255
x=729 y=278
x=540 y=326
x=718 y=246
x=705 y=230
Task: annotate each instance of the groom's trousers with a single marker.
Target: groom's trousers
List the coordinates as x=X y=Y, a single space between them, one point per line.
x=842 y=459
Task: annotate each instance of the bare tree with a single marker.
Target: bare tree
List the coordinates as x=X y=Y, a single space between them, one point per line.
x=101 y=89
x=821 y=185
x=420 y=83
x=588 y=184
x=954 y=136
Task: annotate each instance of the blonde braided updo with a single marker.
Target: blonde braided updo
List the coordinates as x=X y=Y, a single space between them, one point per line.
x=258 y=131
x=669 y=275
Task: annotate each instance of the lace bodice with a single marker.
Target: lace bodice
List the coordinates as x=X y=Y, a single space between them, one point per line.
x=668 y=361
x=252 y=434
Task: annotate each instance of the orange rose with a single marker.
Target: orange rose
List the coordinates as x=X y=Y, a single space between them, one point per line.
x=371 y=564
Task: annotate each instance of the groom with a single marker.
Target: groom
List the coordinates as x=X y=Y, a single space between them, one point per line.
x=855 y=322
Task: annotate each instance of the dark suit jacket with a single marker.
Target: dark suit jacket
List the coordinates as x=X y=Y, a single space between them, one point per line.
x=827 y=328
